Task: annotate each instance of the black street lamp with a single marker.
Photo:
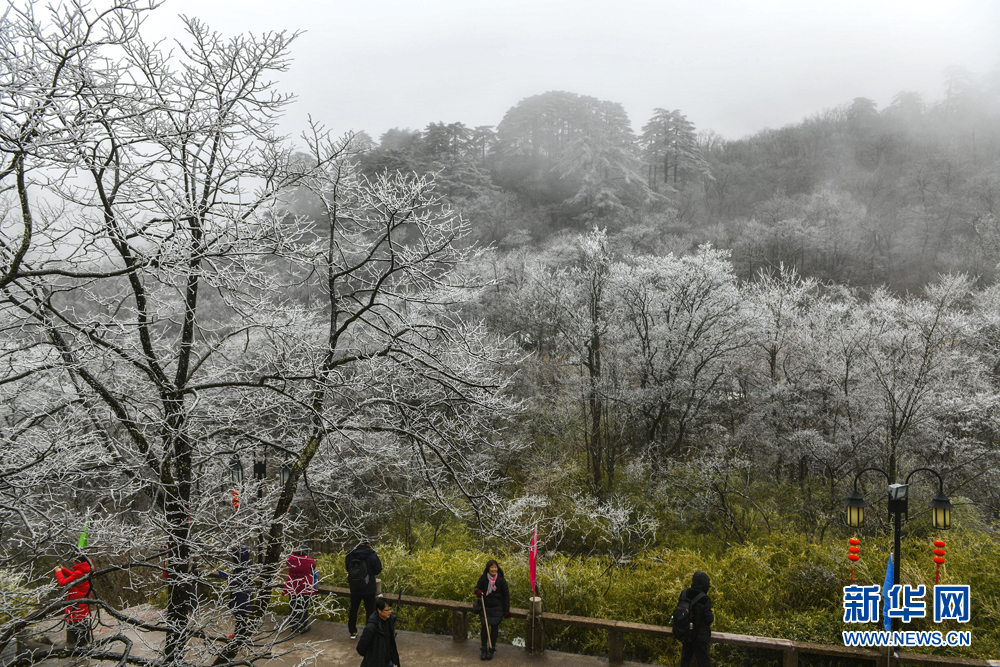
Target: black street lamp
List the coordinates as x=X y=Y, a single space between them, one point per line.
x=855 y=508
x=941 y=509
x=898 y=506
x=236 y=472
x=259 y=474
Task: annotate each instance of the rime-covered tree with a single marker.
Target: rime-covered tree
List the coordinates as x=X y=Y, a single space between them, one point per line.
x=168 y=318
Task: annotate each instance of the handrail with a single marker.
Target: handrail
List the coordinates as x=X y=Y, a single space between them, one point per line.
x=790 y=648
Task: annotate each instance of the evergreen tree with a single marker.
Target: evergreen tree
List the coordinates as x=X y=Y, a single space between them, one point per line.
x=671 y=149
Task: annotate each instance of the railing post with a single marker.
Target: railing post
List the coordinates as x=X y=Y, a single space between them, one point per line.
x=616 y=646
x=534 y=627
x=459 y=626
x=791 y=658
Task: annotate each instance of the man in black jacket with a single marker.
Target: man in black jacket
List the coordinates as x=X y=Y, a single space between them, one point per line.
x=378 y=640
x=362 y=565
x=703 y=618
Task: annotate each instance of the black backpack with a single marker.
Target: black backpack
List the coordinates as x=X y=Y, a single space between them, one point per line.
x=683 y=620
x=357 y=574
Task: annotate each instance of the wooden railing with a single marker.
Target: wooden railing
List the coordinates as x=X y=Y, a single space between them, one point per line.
x=617 y=629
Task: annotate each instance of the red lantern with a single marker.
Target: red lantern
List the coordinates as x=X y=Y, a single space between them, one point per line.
x=853 y=553
x=938 y=559
x=236 y=500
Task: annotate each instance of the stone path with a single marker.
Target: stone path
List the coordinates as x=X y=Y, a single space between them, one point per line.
x=329 y=645
x=417 y=649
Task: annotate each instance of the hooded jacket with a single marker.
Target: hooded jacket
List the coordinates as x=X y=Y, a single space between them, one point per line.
x=366 y=553
x=378 y=642
x=496 y=603
x=703 y=615
x=77 y=612
x=300 y=575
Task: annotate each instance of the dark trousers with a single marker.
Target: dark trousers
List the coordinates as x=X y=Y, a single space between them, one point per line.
x=78 y=634
x=241 y=635
x=494 y=632
x=697 y=650
x=241 y=630
x=352 y=615
x=299 y=616
x=193 y=595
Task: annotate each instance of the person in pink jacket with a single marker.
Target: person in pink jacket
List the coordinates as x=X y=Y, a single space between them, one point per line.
x=77 y=615
x=300 y=586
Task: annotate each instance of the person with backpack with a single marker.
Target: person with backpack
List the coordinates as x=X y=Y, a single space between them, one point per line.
x=77 y=615
x=493 y=600
x=240 y=594
x=378 y=640
x=363 y=565
x=300 y=586
x=692 y=621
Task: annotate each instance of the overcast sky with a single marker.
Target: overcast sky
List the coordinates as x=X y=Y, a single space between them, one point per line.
x=730 y=66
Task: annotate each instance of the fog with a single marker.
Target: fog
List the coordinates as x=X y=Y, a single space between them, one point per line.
x=734 y=67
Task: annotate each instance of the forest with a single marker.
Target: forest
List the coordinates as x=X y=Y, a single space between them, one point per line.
x=662 y=349
x=854 y=195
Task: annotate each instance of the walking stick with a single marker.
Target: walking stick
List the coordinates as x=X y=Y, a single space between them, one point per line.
x=486 y=624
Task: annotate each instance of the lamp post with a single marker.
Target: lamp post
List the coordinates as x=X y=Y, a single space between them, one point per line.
x=236 y=477
x=898 y=506
x=236 y=472
x=259 y=474
x=285 y=474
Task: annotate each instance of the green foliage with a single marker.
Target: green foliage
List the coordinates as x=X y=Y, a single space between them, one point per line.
x=782 y=585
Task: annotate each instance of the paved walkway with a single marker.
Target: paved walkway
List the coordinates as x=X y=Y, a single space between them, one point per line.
x=329 y=645
x=417 y=649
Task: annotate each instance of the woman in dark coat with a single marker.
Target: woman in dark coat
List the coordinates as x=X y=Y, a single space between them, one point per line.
x=240 y=588
x=495 y=598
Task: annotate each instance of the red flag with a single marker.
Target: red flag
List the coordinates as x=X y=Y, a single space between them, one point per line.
x=533 y=559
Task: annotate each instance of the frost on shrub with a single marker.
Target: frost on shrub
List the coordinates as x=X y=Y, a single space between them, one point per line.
x=713 y=492
x=15 y=595
x=513 y=520
x=614 y=527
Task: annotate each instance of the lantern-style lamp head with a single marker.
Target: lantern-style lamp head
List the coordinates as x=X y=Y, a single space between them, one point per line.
x=236 y=471
x=941 y=511
x=285 y=473
x=855 y=509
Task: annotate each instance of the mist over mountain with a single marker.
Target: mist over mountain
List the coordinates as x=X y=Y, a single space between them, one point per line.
x=855 y=194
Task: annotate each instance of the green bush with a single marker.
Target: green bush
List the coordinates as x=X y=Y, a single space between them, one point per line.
x=780 y=586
